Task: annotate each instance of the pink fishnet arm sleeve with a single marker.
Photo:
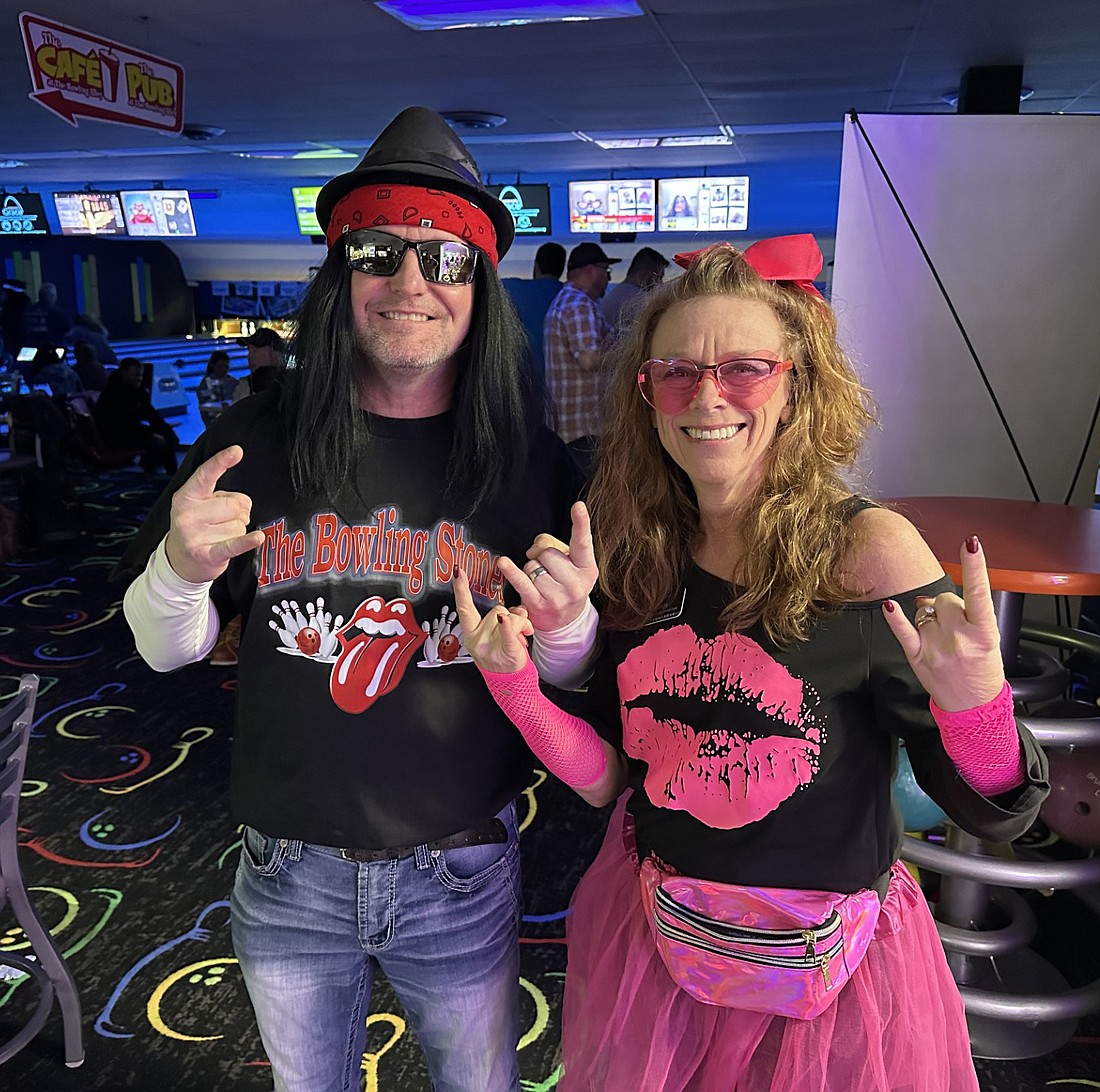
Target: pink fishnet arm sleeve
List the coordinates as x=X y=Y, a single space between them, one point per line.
x=568 y=746
x=984 y=744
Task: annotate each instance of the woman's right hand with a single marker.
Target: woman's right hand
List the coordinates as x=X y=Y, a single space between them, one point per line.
x=209 y=526
x=497 y=642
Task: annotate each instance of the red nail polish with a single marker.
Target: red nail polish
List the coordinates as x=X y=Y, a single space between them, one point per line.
x=972 y=544
x=888 y=605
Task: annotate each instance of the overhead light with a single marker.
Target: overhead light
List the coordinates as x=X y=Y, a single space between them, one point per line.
x=655 y=140
x=5 y=164
x=447 y=15
x=325 y=153
x=695 y=141
x=261 y=153
x=626 y=142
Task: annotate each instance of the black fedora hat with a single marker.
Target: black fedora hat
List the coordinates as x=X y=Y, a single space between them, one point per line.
x=418 y=148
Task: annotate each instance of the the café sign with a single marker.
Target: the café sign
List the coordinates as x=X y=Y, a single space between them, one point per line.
x=77 y=74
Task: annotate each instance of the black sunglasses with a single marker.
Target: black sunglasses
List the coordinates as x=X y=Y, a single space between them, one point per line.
x=442 y=261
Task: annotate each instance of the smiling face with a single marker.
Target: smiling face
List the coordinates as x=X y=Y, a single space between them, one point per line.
x=407 y=327
x=722 y=447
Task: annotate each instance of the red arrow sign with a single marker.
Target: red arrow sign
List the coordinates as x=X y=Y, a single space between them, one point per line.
x=78 y=74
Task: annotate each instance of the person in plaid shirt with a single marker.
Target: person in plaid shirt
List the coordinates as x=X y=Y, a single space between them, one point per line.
x=573 y=338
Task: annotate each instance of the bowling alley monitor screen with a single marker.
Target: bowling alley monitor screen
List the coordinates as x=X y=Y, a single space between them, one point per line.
x=158 y=213
x=305 y=208
x=703 y=204
x=529 y=204
x=89 y=213
x=612 y=205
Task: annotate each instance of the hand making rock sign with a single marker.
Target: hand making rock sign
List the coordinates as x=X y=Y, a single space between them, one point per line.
x=555 y=582
x=953 y=644
x=209 y=525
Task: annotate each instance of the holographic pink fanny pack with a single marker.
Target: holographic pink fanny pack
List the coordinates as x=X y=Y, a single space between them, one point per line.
x=763 y=949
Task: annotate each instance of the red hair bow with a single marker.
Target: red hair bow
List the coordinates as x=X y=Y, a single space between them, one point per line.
x=795 y=258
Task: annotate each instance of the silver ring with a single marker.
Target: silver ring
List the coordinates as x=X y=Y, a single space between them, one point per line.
x=538 y=571
x=925 y=614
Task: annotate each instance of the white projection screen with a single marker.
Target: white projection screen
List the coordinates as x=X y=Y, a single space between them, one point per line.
x=1008 y=208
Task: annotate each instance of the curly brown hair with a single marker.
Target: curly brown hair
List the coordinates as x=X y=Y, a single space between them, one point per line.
x=794 y=530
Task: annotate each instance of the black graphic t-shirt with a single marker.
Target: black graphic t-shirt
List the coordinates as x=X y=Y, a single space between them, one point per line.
x=361 y=720
x=768 y=766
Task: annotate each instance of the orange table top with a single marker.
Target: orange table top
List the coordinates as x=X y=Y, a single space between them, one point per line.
x=1030 y=546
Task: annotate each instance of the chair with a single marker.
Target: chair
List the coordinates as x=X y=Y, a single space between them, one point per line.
x=90 y=443
x=11 y=458
x=47 y=967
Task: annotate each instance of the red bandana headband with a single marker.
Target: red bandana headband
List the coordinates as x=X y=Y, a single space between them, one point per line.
x=794 y=258
x=384 y=203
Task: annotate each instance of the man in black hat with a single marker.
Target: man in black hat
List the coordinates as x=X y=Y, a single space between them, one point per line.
x=266 y=358
x=575 y=335
x=372 y=770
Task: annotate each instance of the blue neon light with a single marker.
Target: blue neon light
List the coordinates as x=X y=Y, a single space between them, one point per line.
x=457 y=14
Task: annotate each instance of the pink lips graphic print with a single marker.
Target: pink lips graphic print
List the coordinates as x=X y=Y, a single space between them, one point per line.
x=725 y=730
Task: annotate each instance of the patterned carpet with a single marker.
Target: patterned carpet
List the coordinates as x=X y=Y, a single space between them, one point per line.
x=129 y=851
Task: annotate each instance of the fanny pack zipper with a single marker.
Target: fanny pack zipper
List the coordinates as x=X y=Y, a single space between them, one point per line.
x=820 y=960
x=744 y=934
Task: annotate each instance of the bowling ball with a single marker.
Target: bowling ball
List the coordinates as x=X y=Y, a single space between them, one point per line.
x=918 y=810
x=448 y=648
x=308 y=640
x=1072 y=810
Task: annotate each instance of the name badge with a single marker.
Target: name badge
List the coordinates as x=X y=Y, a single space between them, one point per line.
x=670 y=611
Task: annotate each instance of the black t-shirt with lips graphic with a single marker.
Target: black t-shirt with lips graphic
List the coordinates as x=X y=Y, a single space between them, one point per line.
x=360 y=720
x=767 y=766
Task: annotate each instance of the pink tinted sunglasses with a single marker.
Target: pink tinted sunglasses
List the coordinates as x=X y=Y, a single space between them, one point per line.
x=749 y=381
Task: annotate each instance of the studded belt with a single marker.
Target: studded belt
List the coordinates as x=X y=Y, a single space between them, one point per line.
x=490 y=832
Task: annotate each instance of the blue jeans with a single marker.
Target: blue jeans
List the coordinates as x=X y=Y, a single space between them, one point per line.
x=310 y=928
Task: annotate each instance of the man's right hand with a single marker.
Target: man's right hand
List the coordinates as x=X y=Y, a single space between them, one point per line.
x=209 y=526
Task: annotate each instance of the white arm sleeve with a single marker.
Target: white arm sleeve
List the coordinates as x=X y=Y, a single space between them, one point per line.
x=564 y=657
x=174 y=621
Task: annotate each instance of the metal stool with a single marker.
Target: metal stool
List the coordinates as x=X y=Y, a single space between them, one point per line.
x=1017 y=1004
x=47 y=966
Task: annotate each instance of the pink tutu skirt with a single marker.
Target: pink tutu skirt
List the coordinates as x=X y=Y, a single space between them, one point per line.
x=897 y=1025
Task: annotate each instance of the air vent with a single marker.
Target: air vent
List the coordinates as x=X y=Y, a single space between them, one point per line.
x=201 y=132
x=473 y=119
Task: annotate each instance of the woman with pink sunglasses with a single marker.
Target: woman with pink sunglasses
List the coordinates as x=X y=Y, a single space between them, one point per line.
x=770 y=637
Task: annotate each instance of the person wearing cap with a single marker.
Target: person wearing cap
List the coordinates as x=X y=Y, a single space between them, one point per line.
x=373 y=774
x=575 y=334
x=266 y=360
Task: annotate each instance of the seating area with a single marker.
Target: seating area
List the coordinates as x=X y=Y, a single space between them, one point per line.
x=179 y=364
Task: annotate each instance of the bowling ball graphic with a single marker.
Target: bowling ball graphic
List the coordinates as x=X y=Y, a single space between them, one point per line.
x=309 y=641
x=448 y=648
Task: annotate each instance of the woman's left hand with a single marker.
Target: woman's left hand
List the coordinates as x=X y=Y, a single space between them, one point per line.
x=555 y=582
x=953 y=644
x=497 y=642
